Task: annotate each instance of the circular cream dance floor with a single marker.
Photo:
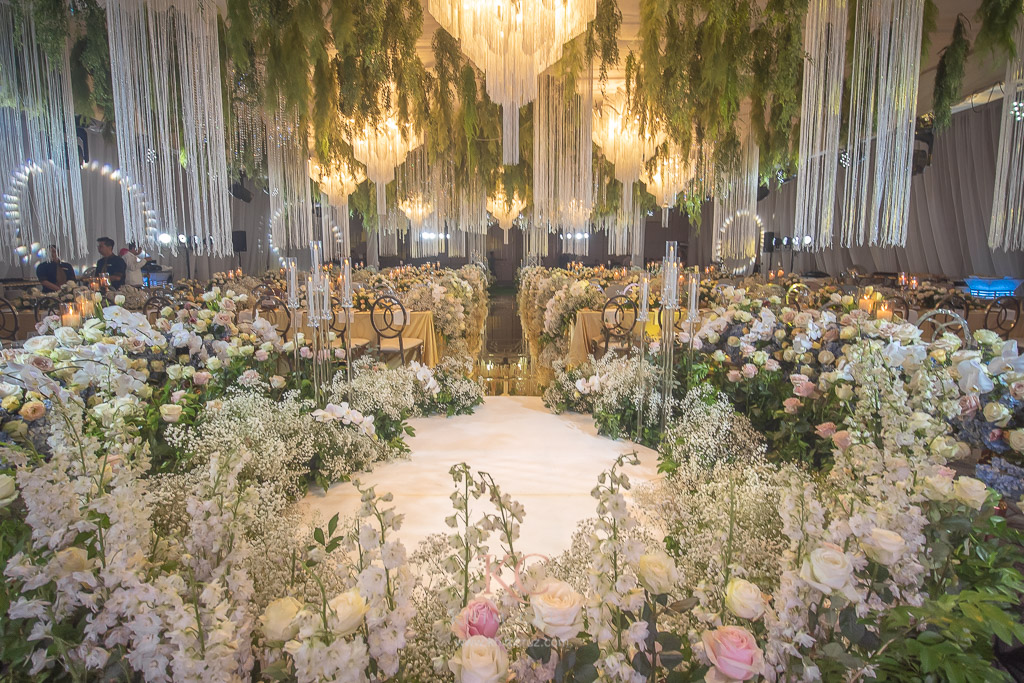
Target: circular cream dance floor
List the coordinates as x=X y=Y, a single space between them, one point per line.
x=547 y=462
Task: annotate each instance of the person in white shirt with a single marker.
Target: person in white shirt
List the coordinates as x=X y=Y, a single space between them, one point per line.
x=134 y=260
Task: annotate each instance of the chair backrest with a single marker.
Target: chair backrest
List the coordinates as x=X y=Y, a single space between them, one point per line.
x=388 y=317
x=678 y=318
x=940 y=320
x=798 y=295
x=8 y=320
x=619 y=316
x=1003 y=315
x=281 y=319
x=339 y=317
x=264 y=290
x=899 y=306
x=44 y=306
x=157 y=303
x=954 y=301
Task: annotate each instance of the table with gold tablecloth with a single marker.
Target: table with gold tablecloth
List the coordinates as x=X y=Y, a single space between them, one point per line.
x=421 y=326
x=588 y=328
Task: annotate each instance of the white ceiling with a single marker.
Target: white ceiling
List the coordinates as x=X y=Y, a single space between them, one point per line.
x=982 y=71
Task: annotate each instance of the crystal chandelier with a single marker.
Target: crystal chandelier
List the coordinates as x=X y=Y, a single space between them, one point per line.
x=505 y=209
x=168 y=102
x=618 y=135
x=513 y=42
x=39 y=159
x=382 y=148
x=672 y=174
x=337 y=181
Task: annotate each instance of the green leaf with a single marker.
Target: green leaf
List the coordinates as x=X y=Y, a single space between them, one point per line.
x=318 y=536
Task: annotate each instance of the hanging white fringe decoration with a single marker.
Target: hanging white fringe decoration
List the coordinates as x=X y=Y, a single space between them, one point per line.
x=883 y=102
x=39 y=162
x=382 y=148
x=820 y=123
x=1006 y=229
x=736 y=233
x=168 y=103
x=505 y=209
x=673 y=174
x=463 y=208
x=563 y=171
x=513 y=42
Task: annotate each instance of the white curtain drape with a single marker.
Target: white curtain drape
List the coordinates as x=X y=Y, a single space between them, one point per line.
x=950 y=206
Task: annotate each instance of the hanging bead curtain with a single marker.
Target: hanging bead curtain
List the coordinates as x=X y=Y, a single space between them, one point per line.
x=39 y=162
x=416 y=190
x=563 y=171
x=291 y=201
x=736 y=231
x=165 y=67
x=1006 y=230
x=513 y=42
x=820 y=122
x=883 y=102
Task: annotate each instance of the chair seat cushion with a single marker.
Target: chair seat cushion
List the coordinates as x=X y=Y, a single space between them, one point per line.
x=407 y=343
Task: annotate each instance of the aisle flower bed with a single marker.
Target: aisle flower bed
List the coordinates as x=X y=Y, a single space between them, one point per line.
x=150 y=530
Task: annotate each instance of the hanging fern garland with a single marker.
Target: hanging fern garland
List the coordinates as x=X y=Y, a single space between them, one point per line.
x=949 y=75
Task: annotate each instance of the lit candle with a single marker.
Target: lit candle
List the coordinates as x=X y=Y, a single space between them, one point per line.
x=645 y=286
x=866 y=304
x=347 y=286
x=694 y=293
x=884 y=313
x=70 y=317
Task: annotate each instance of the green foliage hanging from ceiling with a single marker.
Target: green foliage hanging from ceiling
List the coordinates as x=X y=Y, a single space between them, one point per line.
x=949 y=74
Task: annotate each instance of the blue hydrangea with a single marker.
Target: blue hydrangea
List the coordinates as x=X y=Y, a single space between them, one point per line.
x=1004 y=477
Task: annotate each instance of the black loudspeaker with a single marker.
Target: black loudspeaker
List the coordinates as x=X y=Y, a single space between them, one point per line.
x=83 y=145
x=769 y=242
x=238 y=241
x=240 y=191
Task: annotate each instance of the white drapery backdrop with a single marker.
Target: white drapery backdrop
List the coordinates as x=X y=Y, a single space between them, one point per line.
x=950 y=207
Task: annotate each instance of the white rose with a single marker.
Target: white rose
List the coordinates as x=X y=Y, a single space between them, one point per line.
x=41 y=343
x=883 y=546
x=480 y=660
x=170 y=412
x=213 y=363
x=278 y=619
x=8 y=491
x=828 y=569
x=557 y=609
x=277 y=381
x=1015 y=437
x=938 y=488
x=744 y=599
x=970 y=492
x=119 y=300
x=657 y=572
x=347 y=610
x=68 y=336
x=174 y=372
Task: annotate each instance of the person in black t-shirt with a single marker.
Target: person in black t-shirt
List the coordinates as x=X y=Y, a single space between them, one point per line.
x=111 y=265
x=54 y=273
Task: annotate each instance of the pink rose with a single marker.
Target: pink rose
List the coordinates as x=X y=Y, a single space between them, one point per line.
x=339 y=354
x=788 y=316
x=42 y=362
x=733 y=376
x=825 y=429
x=305 y=352
x=733 y=652
x=969 y=405
x=1017 y=390
x=749 y=370
x=842 y=439
x=478 y=618
x=772 y=365
x=202 y=378
x=798 y=379
x=792 y=405
x=805 y=389
x=260 y=355
x=995 y=434
x=177 y=395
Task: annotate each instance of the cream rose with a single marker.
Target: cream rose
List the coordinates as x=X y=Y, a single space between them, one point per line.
x=938 y=488
x=997 y=413
x=8 y=491
x=828 y=569
x=346 y=612
x=278 y=619
x=557 y=609
x=744 y=599
x=40 y=343
x=170 y=412
x=1015 y=437
x=480 y=660
x=67 y=336
x=883 y=546
x=970 y=492
x=657 y=572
